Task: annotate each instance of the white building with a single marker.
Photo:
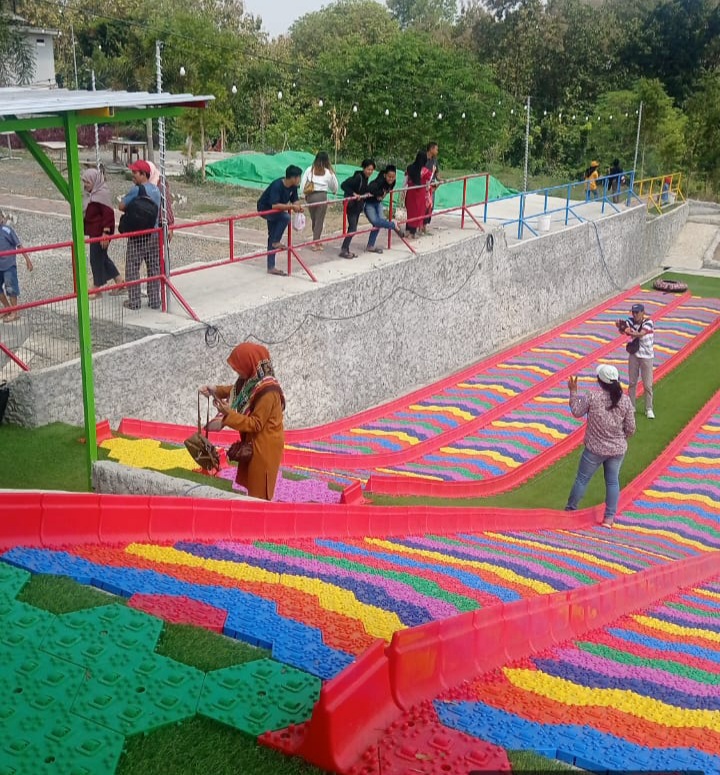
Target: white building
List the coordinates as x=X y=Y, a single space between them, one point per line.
x=41 y=43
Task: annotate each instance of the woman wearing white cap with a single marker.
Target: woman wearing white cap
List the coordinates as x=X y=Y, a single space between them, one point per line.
x=610 y=421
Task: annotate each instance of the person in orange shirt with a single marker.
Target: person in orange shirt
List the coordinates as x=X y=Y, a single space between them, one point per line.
x=254 y=407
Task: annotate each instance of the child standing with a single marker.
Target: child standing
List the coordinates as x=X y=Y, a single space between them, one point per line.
x=9 y=286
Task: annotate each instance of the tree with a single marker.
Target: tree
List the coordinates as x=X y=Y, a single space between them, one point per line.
x=423 y=14
x=359 y=22
x=703 y=110
x=17 y=64
x=407 y=92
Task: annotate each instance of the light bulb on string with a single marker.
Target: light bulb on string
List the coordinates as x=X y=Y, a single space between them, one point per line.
x=320 y=103
x=493 y=114
x=182 y=72
x=440 y=116
x=544 y=112
x=280 y=95
x=626 y=115
x=414 y=113
x=355 y=108
x=611 y=117
x=587 y=118
x=294 y=85
x=463 y=115
x=387 y=112
x=512 y=111
x=234 y=89
x=573 y=117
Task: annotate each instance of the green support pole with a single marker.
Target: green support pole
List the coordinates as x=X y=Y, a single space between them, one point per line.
x=83 y=302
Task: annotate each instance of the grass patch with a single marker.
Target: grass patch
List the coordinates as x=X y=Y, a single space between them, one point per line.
x=62 y=595
x=202 y=745
x=522 y=761
x=698 y=285
x=678 y=398
x=205 y=650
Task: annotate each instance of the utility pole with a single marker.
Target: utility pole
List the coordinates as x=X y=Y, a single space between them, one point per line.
x=161 y=150
x=527 y=144
x=637 y=139
x=72 y=35
x=97 y=134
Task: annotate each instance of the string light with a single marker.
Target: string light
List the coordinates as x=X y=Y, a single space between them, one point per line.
x=355 y=108
x=234 y=89
x=493 y=114
x=320 y=103
x=414 y=113
x=463 y=115
x=387 y=112
x=280 y=96
x=182 y=72
x=440 y=116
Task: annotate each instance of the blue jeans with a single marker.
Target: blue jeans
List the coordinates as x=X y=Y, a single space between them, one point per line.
x=9 y=282
x=374 y=214
x=589 y=464
x=276 y=225
x=590 y=194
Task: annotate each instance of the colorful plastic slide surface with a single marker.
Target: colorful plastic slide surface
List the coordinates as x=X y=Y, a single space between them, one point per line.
x=480 y=432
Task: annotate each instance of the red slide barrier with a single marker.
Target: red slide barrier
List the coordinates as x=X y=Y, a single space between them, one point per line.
x=424 y=661
x=387 y=484
x=178 y=433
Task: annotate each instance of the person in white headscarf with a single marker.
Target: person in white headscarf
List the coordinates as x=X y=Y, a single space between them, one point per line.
x=164 y=191
x=610 y=421
x=99 y=221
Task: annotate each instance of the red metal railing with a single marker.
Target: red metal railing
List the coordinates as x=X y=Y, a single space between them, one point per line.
x=223 y=226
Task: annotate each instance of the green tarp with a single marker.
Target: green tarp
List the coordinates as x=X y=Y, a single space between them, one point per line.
x=257 y=170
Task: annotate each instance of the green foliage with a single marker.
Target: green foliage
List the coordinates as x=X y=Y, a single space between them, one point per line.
x=703 y=113
x=356 y=22
x=17 y=64
x=411 y=74
x=423 y=14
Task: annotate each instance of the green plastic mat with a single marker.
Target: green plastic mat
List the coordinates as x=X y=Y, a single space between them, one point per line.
x=258 y=170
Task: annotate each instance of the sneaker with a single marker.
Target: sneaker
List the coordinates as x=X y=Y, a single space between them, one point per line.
x=607 y=523
x=650 y=414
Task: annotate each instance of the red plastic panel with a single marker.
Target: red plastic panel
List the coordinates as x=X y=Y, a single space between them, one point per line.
x=351 y=708
x=181 y=610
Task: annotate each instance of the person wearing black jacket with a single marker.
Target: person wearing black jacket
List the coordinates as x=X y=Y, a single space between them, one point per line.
x=356 y=189
x=379 y=188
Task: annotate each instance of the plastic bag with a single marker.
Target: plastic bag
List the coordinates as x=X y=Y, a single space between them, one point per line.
x=299 y=221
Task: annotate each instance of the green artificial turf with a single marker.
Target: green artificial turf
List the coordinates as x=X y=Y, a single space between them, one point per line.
x=52 y=458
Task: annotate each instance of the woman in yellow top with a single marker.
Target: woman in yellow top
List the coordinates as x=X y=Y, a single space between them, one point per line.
x=253 y=406
x=591 y=177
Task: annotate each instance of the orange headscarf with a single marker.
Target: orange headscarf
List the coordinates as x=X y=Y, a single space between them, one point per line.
x=245 y=358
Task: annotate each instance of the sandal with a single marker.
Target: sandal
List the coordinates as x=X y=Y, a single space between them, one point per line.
x=10 y=317
x=347 y=254
x=277 y=272
x=128 y=305
x=373 y=250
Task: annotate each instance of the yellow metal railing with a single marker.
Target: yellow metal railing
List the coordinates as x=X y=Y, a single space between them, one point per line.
x=660 y=191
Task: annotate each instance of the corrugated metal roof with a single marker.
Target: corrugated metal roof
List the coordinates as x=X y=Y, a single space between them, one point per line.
x=21 y=101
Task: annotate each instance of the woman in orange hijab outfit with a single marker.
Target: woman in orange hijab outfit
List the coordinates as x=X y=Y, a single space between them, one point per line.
x=254 y=406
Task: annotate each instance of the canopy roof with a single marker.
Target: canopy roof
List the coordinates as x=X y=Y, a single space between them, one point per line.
x=16 y=102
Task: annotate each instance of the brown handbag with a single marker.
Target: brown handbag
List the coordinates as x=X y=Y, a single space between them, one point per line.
x=240 y=452
x=202 y=451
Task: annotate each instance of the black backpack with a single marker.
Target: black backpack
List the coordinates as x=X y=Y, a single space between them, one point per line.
x=140 y=214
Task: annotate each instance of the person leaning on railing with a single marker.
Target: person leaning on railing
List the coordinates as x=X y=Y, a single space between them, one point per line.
x=281 y=197
x=357 y=189
x=317 y=180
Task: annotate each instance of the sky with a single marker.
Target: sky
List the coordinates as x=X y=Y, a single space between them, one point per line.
x=283 y=13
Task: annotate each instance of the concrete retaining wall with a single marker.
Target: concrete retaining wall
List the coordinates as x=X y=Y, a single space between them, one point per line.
x=115 y=479
x=365 y=339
